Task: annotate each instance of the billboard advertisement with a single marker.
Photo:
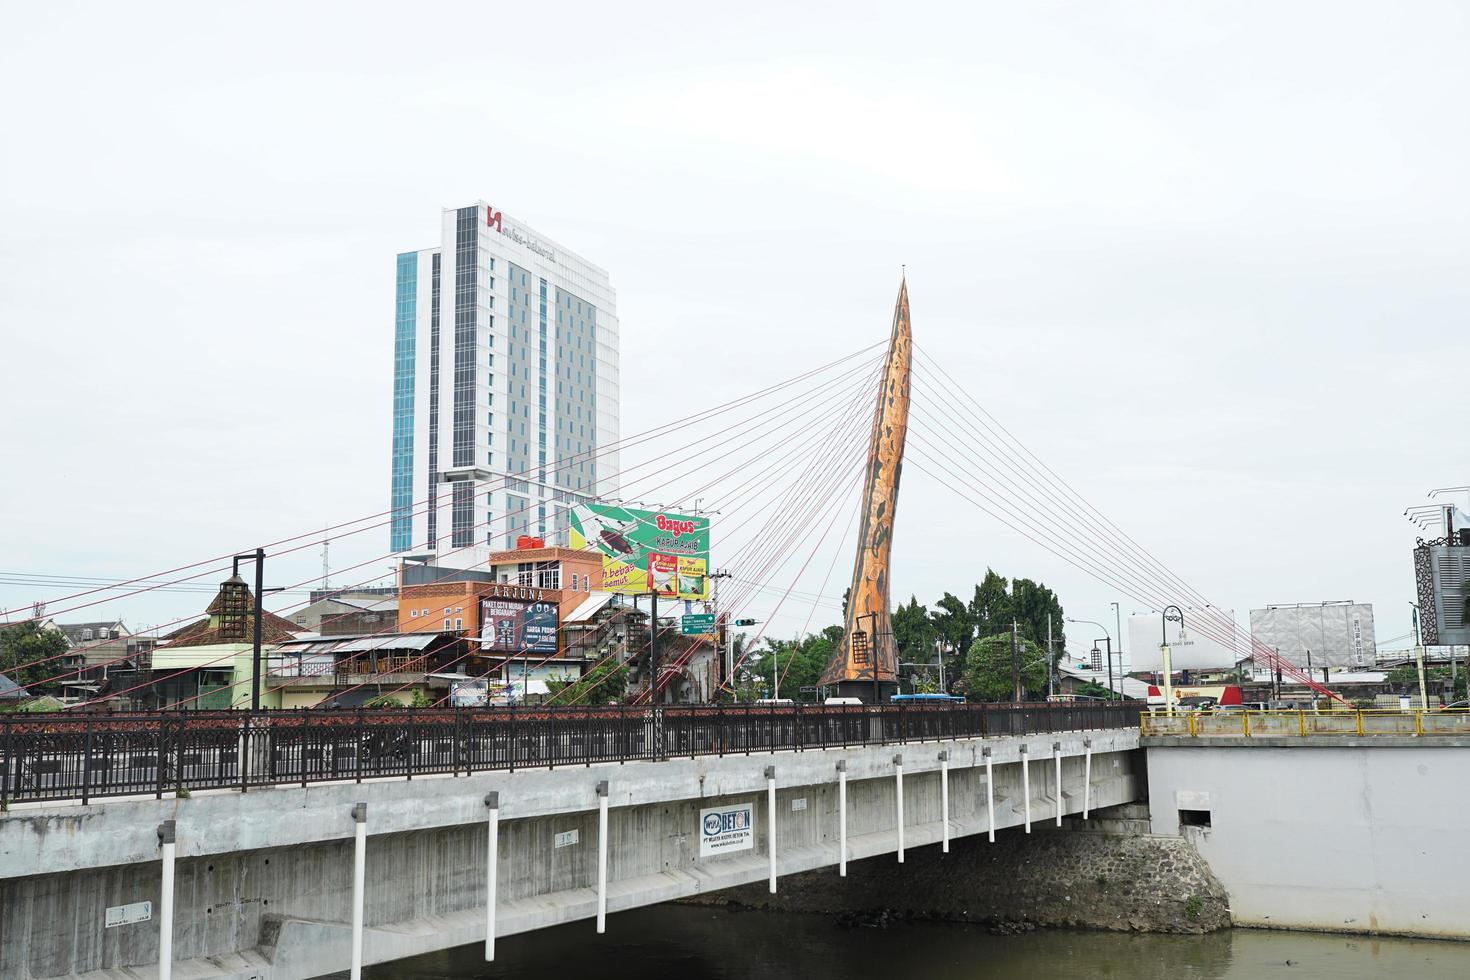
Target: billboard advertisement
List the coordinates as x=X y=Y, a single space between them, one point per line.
x=1324 y=634
x=517 y=626
x=1211 y=640
x=645 y=551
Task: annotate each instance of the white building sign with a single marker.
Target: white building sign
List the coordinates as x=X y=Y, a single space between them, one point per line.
x=724 y=829
x=566 y=838
x=126 y=915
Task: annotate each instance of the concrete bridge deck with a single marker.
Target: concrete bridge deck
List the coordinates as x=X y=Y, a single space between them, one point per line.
x=264 y=879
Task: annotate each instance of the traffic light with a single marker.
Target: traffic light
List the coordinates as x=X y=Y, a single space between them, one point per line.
x=745 y=622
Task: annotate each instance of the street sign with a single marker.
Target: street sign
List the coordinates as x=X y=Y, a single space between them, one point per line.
x=697 y=624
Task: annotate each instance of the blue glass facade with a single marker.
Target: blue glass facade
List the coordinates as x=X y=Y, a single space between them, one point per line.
x=405 y=321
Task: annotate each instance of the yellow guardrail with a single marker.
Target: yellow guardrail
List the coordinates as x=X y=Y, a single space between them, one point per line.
x=1437 y=721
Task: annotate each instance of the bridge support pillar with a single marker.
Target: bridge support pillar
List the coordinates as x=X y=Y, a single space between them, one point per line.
x=166 y=841
x=771 y=823
x=1056 y=752
x=842 y=819
x=898 y=789
x=359 y=878
x=1086 y=776
x=989 y=794
x=944 y=800
x=602 y=856
x=492 y=871
x=1026 y=785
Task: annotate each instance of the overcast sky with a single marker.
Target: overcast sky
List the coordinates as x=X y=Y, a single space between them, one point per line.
x=1208 y=260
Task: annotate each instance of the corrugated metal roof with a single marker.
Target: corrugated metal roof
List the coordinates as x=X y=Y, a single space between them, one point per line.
x=392 y=641
x=359 y=644
x=589 y=607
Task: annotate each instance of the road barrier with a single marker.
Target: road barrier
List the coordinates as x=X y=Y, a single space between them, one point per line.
x=1439 y=721
x=54 y=757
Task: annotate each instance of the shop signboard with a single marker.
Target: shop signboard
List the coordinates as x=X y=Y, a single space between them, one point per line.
x=517 y=626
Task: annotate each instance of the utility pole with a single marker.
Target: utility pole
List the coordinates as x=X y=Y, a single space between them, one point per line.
x=1118 y=626
x=1015 y=665
x=258 y=556
x=721 y=636
x=255 y=661
x=653 y=648
x=1050 y=660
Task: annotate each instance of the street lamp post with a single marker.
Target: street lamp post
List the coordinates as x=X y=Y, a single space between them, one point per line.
x=1164 y=648
x=1112 y=695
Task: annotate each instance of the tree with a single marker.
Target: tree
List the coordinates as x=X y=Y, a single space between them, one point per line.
x=953 y=623
x=988 y=668
x=26 y=643
x=1030 y=605
x=606 y=681
x=799 y=662
x=990 y=608
x=913 y=632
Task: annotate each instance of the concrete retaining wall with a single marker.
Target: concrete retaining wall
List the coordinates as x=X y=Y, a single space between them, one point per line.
x=1331 y=833
x=264 y=881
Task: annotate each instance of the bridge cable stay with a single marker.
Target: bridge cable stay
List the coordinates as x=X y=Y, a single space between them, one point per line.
x=817 y=464
x=71 y=652
x=835 y=505
x=831 y=566
x=1215 y=624
x=656 y=432
x=802 y=517
x=835 y=508
x=389 y=628
x=634 y=656
x=1139 y=564
x=796 y=493
x=676 y=451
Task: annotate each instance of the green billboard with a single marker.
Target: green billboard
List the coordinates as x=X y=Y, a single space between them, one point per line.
x=645 y=551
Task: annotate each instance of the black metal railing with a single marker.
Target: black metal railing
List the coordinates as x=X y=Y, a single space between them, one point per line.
x=55 y=757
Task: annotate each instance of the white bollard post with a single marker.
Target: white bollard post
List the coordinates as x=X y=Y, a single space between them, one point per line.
x=1086 y=777
x=771 y=823
x=359 y=877
x=1026 y=784
x=842 y=819
x=990 y=793
x=602 y=856
x=167 y=839
x=1056 y=751
x=492 y=872
x=898 y=783
x=944 y=799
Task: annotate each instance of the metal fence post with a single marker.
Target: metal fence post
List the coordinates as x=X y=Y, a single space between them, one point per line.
x=179 y=754
x=87 y=763
x=244 y=762
x=162 y=766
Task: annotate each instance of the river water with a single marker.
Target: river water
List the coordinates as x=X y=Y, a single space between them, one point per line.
x=678 y=942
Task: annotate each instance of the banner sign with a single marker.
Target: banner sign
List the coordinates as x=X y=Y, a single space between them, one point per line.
x=511 y=626
x=697 y=624
x=724 y=829
x=645 y=551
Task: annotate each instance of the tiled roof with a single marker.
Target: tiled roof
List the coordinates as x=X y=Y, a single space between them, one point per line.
x=273 y=629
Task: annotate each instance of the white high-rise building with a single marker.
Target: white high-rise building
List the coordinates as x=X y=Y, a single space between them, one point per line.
x=505 y=388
